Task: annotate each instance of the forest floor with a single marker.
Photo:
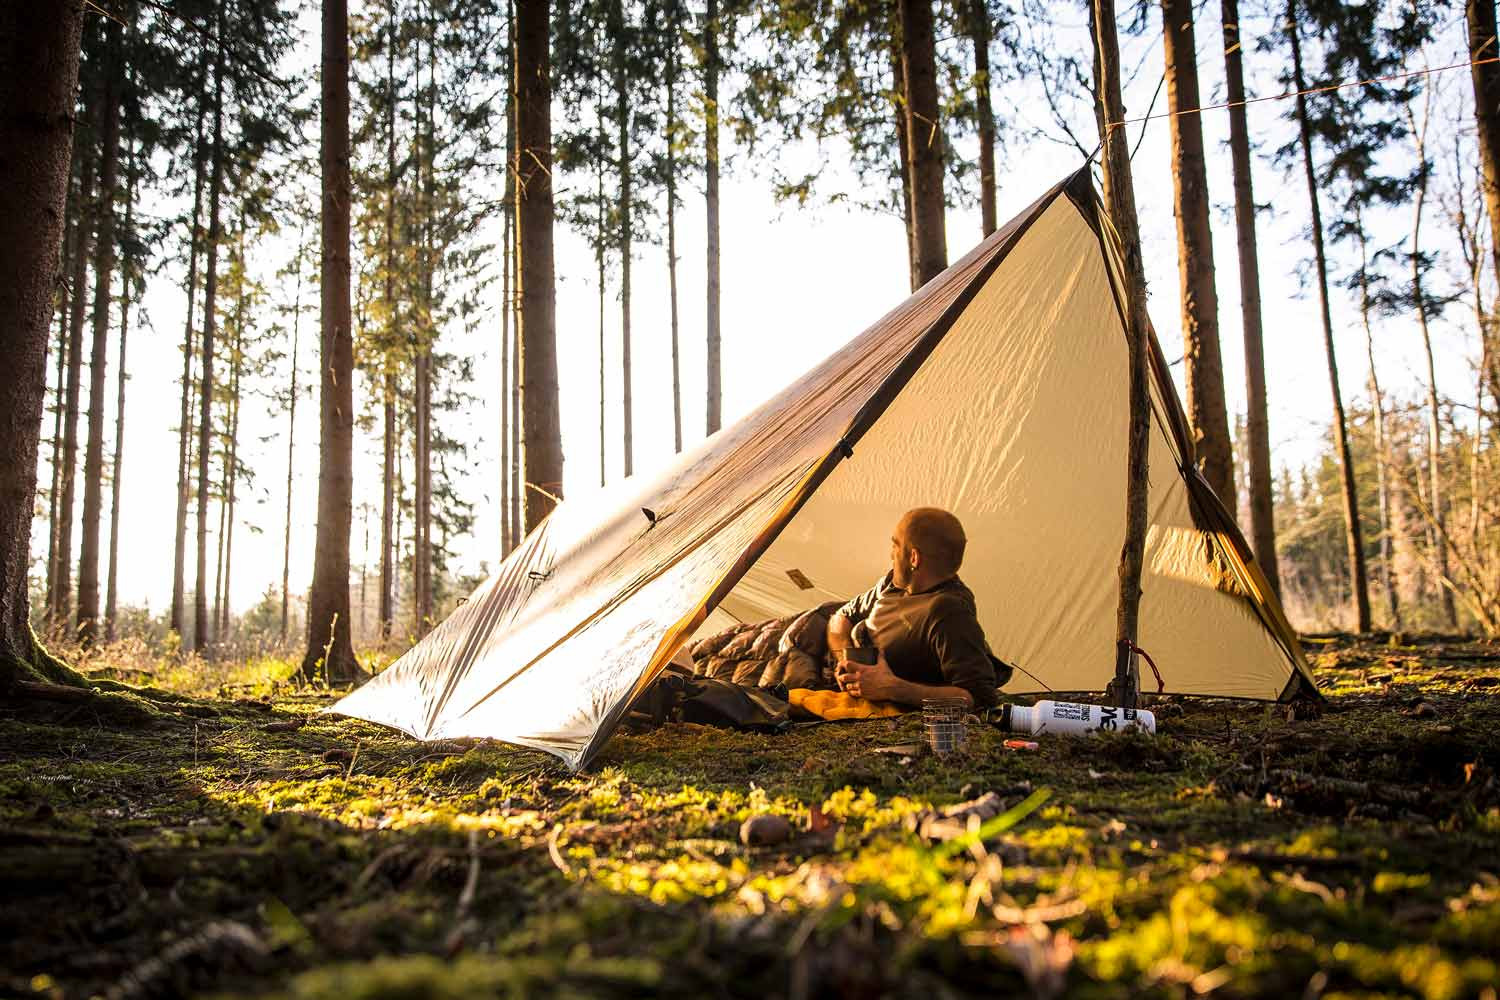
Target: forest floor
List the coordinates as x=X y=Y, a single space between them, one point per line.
x=237 y=843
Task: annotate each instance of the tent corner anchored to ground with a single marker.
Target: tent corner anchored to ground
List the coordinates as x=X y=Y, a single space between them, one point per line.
x=998 y=391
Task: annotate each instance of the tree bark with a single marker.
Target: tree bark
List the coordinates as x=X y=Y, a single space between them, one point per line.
x=1257 y=423
x=924 y=138
x=1480 y=18
x=1203 y=368
x=216 y=611
x=39 y=51
x=714 y=412
x=388 y=405
x=426 y=334
x=1358 y=582
x=232 y=442
x=903 y=150
x=206 y=364
x=185 y=420
x=538 y=323
x=89 y=630
x=112 y=585
x=508 y=415
x=291 y=450
x=622 y=121
x=1120 y=190
x=600 y=239
x=1383 y=462
x=671 y=139
x=330 y=652
x=62 y=597
x=517 y=412
x=54 y=496
x=1434 y=426
x=387 y=509
x=979 y=34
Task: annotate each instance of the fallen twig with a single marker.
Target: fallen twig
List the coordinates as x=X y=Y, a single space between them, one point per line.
x=555 y=854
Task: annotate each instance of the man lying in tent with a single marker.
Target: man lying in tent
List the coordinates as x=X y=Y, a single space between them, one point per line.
x=920 y=620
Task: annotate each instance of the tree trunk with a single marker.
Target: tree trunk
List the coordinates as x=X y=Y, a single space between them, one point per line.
x=1472 y=244
x=1480 y=17
x=387 y=509
x=1257 y=424
x=427 y=334
x=232 y=444
x=1120 y=189
x=216 y=612
x=622 y=121
x=979 y=34
x=291 y=450
x=206 y=365
x=1358 y=583
x=714 y=412
x=54 y=496
x=1203 y=369
x=1434 y=426
x=517 y=412
x=538 y=324
x=112 y=586
x=672 y=28
x=503 y=383
x=1383 y=464
x=104 y=266
x=508 y=415
x=62 y=598
x=924 y=138
x=330 y=653
x=421 y=502
x=600 y=239
x=903 y=150
x=400 y=508
x=364 y=573
x=185 y=420
x=388 y=405
x=39 y=48
x=517 y=415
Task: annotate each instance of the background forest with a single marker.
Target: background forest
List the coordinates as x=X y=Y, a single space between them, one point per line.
x=754 y=154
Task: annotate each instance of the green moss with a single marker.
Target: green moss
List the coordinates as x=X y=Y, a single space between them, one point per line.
x=371 y=865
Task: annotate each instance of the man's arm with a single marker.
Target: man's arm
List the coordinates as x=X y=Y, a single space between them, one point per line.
x=957 y=641
x=876 y=682
x=840 y=633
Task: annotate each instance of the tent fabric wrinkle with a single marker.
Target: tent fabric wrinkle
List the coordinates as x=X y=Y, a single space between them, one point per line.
x=998 y=391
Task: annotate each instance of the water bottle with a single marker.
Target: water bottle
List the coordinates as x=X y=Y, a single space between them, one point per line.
x=1068 y=718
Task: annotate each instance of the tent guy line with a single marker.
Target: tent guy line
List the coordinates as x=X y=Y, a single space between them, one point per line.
x=1310 y=90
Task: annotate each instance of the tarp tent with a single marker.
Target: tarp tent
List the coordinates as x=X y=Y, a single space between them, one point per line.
x=998 y=391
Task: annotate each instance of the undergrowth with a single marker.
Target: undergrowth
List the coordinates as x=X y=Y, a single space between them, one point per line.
x=208 y=831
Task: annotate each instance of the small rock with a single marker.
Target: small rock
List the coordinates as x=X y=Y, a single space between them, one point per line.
x=767 y=828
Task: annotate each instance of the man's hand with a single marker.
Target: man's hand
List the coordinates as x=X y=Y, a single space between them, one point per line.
x=877 y=682
x=871 y=680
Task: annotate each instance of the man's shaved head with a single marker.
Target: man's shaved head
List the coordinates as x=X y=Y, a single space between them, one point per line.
x=937 y=535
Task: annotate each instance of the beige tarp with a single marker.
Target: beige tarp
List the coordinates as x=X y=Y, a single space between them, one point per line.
x=998 y=391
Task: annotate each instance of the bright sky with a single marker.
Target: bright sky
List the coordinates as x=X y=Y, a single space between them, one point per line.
x=797 y=283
